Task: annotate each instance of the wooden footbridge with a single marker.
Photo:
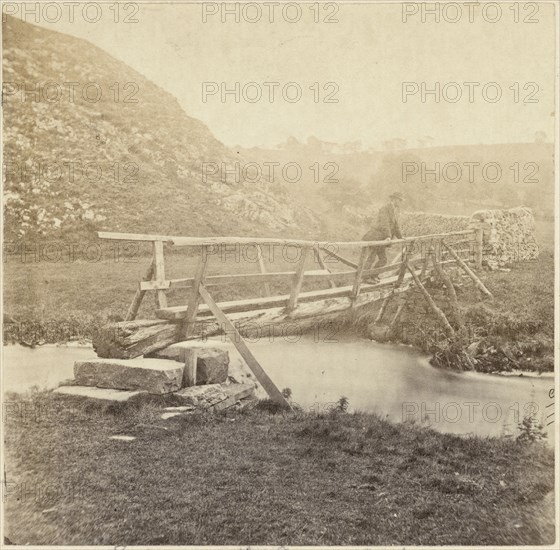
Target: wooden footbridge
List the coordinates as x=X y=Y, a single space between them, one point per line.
x=338 y=267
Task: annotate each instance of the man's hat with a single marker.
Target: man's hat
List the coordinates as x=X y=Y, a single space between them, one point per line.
x=397 y=195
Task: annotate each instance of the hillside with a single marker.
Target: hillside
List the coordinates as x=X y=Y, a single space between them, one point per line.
x=125 y=157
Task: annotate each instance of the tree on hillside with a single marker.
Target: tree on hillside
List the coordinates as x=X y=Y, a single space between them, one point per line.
x=394 y=144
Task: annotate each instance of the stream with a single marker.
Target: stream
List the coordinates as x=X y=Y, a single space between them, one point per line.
x=396 y=382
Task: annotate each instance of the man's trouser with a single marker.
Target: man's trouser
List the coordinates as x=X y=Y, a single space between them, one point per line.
x=379 y=252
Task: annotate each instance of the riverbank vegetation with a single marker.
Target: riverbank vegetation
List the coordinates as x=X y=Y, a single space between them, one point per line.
x=512 y=332
x=260 y=478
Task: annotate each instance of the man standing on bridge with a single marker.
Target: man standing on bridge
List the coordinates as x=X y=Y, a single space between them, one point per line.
x=385 y=228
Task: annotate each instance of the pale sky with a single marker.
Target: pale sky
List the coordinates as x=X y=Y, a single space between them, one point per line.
x=368 y=54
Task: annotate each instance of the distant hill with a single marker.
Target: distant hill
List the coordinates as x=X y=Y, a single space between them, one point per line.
x=356 y=182
x=127 y=160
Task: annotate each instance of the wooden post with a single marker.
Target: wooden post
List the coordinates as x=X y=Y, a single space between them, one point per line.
x=262 y=269
x=322 y=265
x=396 y=317
x=137 y=300
x=359 y=271
x=439 y=314
x=233 y=334
x=438 y=246
x=298 y=281
x=478 y=248
x=382 y=309
x=194 y=298
x=189 y=374
x=478 y=283
x=425 y=264
x=452 y=295
x=402 y=271
x=159 y=272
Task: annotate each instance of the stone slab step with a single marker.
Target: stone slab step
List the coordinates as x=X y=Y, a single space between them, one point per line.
x=101 y=394
x=215 y=396
x=157 y=376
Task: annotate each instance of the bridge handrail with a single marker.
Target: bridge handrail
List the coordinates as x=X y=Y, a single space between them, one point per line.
x=155 y=278
x=207 y=241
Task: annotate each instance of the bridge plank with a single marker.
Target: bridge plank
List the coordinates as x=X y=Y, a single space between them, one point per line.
x=212 y=280
x=175 y=313
x=178 y=312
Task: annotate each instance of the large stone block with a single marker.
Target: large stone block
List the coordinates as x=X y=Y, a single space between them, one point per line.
x=157 y=376
x=211 y=366
x=212 y=361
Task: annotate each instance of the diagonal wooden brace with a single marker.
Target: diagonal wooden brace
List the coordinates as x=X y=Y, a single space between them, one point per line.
x=237 y=340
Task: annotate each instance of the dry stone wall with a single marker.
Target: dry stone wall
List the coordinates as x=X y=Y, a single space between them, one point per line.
x=425 y=223
x=508 y=235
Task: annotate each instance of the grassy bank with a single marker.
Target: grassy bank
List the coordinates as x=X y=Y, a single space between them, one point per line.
x=258 y=478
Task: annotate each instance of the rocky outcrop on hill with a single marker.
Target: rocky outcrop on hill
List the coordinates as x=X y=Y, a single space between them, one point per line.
x=91 y=144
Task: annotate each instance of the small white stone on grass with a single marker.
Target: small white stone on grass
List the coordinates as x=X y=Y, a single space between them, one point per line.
x=165 y=416
x=123 y=437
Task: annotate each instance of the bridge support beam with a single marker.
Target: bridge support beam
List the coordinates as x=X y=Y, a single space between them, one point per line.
x=237 y=340
x=439 y=314
x=478 y=283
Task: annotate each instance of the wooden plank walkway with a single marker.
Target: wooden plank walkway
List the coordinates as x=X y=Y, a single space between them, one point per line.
x=237 y=306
